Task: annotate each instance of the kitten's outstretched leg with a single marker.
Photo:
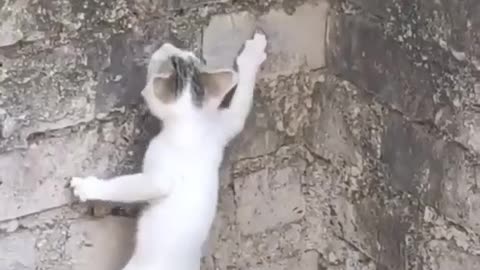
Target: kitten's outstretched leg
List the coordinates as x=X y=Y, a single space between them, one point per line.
x=248 y=62
x=127 y=188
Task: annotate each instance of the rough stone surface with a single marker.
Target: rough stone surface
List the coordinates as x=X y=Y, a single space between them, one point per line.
x=289 y=49
x=17 y=251
x=276 y=199
x=26 y=176
x=104 y=244
x=361 y=152
x=219 y=51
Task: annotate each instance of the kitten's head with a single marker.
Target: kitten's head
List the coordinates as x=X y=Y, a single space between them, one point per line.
x=180 y=84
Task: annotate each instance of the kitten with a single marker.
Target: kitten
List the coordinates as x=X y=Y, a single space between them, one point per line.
x=180 y=169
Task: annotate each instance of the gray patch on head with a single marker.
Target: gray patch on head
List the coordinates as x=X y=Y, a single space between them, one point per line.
x=187 y=71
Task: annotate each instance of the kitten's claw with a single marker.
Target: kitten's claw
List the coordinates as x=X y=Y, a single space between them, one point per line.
x=86 y=188
x=253 y=53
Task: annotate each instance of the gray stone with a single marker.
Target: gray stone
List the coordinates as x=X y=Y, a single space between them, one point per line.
x=259 y=136
x=269 y=198
x=9 y=226
x=435 y=171
x=224 y=37
x=288 y=49
x=48 y=107
x=309 y=260
x=414 y=165
x=380 y=232
x=16 y=23
x=101 y=244
x=87 y=72
x=442 y=257
x=37 y=179
x=451 y=25
x=328 y=134
x=360 y=53
x=304 y=262
x=469 y=131
x=17 y=251
x=186 y=4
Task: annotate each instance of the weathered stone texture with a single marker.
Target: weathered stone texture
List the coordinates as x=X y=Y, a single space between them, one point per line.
x=103 y=244
x=26 y=176
x=361 y=151
x=17 y=251
x=269 y=198
x=288 y=49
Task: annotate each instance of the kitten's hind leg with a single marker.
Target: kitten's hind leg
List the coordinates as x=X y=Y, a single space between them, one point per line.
x=127 y=188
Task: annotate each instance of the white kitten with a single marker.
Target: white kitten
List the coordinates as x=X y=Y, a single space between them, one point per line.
x=180 y=169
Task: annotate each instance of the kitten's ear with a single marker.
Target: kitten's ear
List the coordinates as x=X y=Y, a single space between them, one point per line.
x=164 y=87
x=218 y=83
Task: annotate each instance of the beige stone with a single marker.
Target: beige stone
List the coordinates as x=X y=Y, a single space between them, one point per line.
x=269 y=198
x=259 y=136
x=442 y=257
x=37 y=179
x=307 y=261
x=17 y=251
x=101 y=244
x=224 y=37
x=288 y=48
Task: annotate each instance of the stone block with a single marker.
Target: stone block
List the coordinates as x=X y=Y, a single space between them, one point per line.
x=307 y=261
x=17 y=24
x=288 y=49
x=36 y=179
x=259 y=136
x=17 y=251
x=359 y=52
x=382 y=232
x=224 y=37
x=87 y=74
x=437 y=172
x=441 y=256
x=328 y=134
x=269 y=198
x=410 y=156
x=181 y=4
x=272 y=245
x=452 y=25
x=35 y=102
x=101 y=244
x=468 y=132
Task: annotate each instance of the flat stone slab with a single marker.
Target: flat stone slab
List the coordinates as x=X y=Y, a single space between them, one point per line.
x=101 y=244
x=36 y=179
x=269 y=198
x=17 y=251
x=294 y=40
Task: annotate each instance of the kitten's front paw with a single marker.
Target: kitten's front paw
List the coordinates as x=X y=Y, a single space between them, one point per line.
x=87 y=188
x=253 y=53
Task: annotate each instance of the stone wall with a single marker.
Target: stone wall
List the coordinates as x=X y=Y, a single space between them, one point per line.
x=361 y=151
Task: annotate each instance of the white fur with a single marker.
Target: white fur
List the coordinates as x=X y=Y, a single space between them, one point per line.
x=180 y=170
